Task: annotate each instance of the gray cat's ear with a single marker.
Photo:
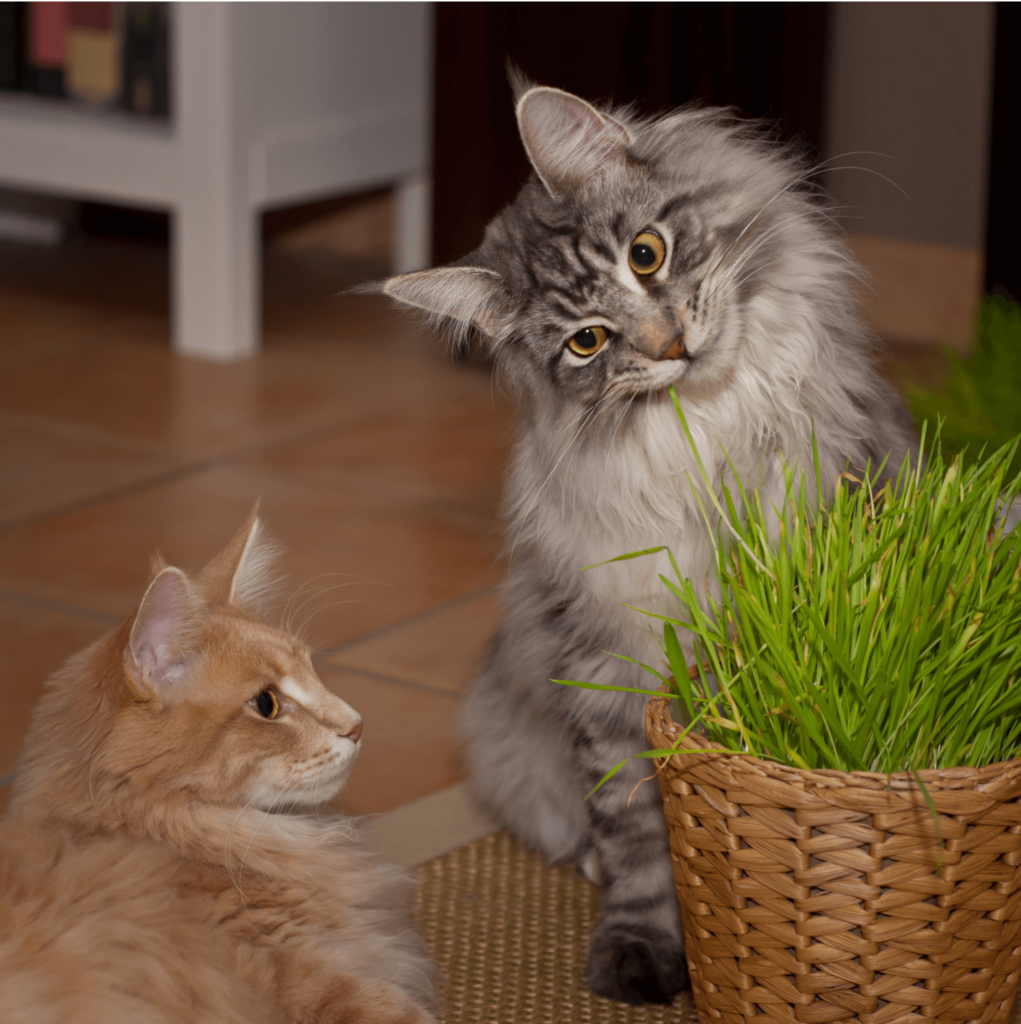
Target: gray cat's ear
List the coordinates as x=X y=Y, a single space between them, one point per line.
x=468 y=296
x=520 y=83
x=568 y=141
x=166 y=633
x=242 y=573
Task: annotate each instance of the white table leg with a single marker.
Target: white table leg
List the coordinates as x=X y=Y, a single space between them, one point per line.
x=215 y=280
x=412 y=224
x=215 y=272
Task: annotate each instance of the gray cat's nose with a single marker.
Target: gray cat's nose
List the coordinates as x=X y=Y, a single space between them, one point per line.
x=658 y=339
x=675 y=350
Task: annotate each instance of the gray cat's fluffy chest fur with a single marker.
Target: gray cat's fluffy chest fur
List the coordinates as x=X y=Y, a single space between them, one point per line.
x=573 y=511
x=632 y=488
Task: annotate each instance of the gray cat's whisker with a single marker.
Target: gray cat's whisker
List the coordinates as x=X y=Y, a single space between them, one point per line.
x=523 y=516
x=806 y=176
x=589 y=416
x=622 y=416
x=733 y=285
x=871 y=170
x=757 y=243
x=561 y=450
x=761 y=211
x=802 y=179
x=723 y=287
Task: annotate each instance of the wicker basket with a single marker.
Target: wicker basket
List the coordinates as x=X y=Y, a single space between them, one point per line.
x=824 y=896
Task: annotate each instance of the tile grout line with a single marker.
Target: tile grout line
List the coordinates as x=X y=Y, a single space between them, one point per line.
x=31 y=600
x=27 y=358
x=329 y=652
x=64 y=430
x=182 y=470
x=409 y=683
x=428 y=501
x=309 y=431
x=73 y=431
x=301 y=432
x=122 y=491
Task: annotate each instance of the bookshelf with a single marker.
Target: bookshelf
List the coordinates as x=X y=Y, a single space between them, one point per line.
x=272 y=104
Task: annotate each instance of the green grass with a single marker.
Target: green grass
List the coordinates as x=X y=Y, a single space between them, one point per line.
x=882 y=633
x=982 y=404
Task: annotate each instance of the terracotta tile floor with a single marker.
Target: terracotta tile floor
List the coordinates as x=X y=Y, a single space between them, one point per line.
x=377 y=458
x=378 y=461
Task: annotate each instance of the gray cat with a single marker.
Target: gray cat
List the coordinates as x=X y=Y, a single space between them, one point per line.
x=684 y=250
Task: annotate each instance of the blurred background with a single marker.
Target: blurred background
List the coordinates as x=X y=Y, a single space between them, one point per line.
x=187 y=191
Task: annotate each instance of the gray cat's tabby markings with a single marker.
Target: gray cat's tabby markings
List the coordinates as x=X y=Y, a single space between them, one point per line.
x=680 y=251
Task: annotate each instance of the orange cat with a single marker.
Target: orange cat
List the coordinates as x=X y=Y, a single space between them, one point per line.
x=143 y=872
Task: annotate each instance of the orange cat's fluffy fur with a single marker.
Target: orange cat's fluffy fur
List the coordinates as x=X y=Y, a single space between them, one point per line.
x=143 y=873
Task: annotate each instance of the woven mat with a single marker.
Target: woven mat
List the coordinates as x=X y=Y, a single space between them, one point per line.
x=511 y=933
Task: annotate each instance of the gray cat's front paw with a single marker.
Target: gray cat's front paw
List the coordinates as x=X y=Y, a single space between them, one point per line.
x=636 y=965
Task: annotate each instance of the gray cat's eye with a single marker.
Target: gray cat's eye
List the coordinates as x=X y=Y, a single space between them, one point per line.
x=648 y=251
x=588 y=341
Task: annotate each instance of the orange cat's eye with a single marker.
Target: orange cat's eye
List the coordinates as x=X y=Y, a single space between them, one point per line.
x=647 y=253
x=588 y=341
x=266 y=704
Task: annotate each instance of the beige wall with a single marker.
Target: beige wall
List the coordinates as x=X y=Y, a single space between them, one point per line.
x=912 y=81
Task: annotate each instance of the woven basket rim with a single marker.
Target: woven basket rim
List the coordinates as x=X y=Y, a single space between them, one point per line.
x=1000 y=781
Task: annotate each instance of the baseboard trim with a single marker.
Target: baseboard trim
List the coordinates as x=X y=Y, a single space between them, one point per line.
x=921 y=293
x=429 y=827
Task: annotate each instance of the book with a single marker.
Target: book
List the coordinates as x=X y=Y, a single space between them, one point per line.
x=94 y=51
x=145 y=82
x=47 y=47
x=92 y=64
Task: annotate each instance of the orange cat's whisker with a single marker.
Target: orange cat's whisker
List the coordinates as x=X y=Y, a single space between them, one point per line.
x=290 y=611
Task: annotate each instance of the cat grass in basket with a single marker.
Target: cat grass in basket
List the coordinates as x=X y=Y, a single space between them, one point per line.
x=845 y=802
x=143 y=872
x=882 y=634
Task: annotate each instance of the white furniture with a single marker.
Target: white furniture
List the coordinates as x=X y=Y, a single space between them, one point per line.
x=273 y=104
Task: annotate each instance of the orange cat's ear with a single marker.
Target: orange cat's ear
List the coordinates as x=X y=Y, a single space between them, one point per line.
x=241 y=574
x=165 y=634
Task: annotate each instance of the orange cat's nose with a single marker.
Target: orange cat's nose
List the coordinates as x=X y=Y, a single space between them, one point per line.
x=356 y=733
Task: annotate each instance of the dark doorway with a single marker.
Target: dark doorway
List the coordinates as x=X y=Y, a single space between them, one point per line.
x=1003 y=225
x=766 y=59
